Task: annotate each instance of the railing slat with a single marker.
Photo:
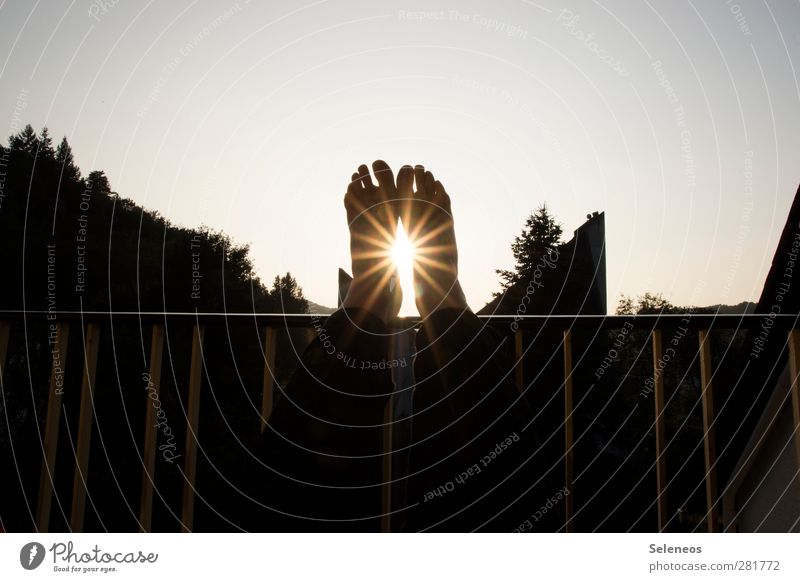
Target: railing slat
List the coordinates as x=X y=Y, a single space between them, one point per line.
x=192 y=420
x=569 y=456
x=709 y=440
x=518 y=354
x=51 y=428
x=4 y=331
x=270 y=345
x=86 y=419
x=794 y=370
x=661 y=461
x=150 y=429
x=386 y=486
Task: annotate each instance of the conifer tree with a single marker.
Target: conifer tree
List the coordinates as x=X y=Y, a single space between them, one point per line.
x=540 y=235
x=97 y=183
x=45 y=150
x=65 y=159
x=25 y=141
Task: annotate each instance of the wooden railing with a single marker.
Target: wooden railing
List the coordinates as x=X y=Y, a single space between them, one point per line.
x=89 y=324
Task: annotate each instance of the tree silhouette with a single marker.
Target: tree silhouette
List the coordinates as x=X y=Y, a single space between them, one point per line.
x=25 y=141
x=541 y=234
x=65 y=159
x=97 y=183
x=45 y=150
x=115 y=235
x=287 y=295
x=649 y=303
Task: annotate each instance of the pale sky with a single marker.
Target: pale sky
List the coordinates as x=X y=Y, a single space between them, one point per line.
x=250 y=117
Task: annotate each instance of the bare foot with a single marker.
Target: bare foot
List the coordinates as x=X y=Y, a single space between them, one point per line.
x=428 y=219
x=372 y=219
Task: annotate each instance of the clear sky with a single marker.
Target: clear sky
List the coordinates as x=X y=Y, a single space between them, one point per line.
x=679 y=119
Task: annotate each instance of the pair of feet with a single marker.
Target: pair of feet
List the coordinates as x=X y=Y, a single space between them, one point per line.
x=423 y=205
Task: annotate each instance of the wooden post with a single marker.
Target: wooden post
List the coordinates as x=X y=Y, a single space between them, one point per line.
x=4 y=330
x=270 y=344
x=661 y=462
x=386 y=486
x=519 y=355
x=569 y=456
x=794 y=370
x=153 y=394
x=51 y=428
x=86 y=419
x=192 y=420
x=709 y=444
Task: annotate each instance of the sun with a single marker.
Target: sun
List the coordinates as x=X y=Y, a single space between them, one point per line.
x=403 y=255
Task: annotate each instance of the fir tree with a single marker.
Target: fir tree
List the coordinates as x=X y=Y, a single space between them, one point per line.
x=97 y=183
x=287 y=295
x=25 y=141
x=45 y=150
x=541 y=234
x=69 y=171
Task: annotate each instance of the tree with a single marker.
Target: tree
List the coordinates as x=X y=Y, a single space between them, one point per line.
x=45 y=150
x=287 y=295
x=649 y=303
x=69 y=171
x=25 y=141
x=540 y=235
x=98 y=183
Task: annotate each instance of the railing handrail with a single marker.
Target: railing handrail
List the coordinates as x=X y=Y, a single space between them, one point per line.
x=782 y=321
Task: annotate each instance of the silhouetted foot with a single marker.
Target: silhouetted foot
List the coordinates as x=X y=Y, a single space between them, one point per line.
x=372 y=219
x=428 y=219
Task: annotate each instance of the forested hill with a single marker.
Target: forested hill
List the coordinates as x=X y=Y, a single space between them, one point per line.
x=70 y=242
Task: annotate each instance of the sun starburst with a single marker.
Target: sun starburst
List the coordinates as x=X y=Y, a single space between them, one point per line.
x=404 y=254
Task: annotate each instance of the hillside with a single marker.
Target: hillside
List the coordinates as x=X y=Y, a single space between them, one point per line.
x=71 y=243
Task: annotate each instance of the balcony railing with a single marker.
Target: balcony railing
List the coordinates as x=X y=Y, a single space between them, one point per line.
x=84 y=329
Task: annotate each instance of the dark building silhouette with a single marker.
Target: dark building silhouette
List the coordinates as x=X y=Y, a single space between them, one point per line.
x=761 y=489
x=572 y=281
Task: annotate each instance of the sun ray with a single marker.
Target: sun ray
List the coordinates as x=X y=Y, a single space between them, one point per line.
x=443 y=266
x=374 y=295
x=422 y=272
x=377 y=268
x=434 y=232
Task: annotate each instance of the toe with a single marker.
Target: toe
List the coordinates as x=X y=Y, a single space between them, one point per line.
x=385 y=178
x=352 y=199
x=365 y=177
x=405 y=193
x=419 y=179
x=430 y=185
x=355 y=184
x=405 y=182
x=442 y=197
